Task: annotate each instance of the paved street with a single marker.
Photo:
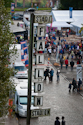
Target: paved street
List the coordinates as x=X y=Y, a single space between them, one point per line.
x=61 y=102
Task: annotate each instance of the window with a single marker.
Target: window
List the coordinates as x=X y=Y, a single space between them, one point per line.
x=23 y=100
x=20 y=68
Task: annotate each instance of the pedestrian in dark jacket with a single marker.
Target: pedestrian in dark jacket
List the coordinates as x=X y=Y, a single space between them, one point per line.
x=57 y=122
x=74 y=84
x=46 y=73
x=63 y=121
x=72 y=64
x=79 y=83
x=61 y=62
x=70 y=85
x=57 y=75
x=51 y=74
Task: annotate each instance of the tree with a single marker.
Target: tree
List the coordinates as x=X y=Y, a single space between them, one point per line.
x=6 y=41
x=7 y=3
x=65 y=4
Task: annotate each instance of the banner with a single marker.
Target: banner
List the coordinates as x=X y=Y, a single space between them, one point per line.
x=70 y=11
x=12 y=7
x=24 y=53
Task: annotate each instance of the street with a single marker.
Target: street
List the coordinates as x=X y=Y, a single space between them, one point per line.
x=61 y=102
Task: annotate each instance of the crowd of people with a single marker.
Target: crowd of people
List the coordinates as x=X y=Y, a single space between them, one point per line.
x=64 y=50
x=76 y=85
x=49 y=74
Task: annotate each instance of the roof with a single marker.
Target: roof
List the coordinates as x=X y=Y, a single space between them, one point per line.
x=78 y=23
x=64 y=15
x=22 y=89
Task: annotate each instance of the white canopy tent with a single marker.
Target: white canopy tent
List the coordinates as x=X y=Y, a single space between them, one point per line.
x=78 y=23
x=59 y=24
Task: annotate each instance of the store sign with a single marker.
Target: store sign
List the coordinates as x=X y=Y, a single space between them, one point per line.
x=41 y=31
x=39 y=73
x=40 y=45
x=38 y=87
x=38 y=101
x=40 y=112
x=42 y=19
x=39 y=59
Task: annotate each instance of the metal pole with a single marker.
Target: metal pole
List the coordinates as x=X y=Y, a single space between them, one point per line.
x=30 y=69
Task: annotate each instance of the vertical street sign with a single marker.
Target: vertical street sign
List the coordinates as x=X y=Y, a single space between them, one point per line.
x=39 y=73
x=38 y=87
x=40 y=45
x=39 y=59
x=38 y=101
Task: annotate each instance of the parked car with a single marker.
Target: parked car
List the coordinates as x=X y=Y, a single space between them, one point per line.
x=17 y=16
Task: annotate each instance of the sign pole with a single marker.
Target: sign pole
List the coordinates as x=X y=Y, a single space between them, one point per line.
x=30 y=69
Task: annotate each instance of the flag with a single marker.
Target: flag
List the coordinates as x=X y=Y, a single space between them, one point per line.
x=24 y=53
x=51 y=25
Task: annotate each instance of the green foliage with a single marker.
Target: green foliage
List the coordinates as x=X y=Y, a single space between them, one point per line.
x=76 y=4
x=6 y=41
x=7 y=3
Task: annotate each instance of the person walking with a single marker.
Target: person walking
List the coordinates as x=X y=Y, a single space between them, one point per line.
x=61 y=62
x=51 y=75
x=46 y=73
x=57 y=75
x=70 y=85
x=79 y=83
x=66 y=63
x=57 y=122
x=63 y=121
x=74 y=84
x=72 y=64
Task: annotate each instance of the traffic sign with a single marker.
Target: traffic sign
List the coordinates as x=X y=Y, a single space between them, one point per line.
x=42 y=18
x=40 y=112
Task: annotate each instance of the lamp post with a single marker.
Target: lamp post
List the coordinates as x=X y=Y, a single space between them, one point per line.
x=30 y=66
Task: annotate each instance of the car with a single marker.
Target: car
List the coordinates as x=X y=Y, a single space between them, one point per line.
x=17 y=16
x=21 y=70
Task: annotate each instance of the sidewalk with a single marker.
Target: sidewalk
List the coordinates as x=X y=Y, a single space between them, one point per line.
x=8 y=120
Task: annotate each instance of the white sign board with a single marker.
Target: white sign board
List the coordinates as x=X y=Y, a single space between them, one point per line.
x=41 y=31
x=38 y=100
x=39 y=59
x=43 y=19
x=38 y=87
x=40 y=112
x=39 y=73
x=79 y=72
x=40 y=45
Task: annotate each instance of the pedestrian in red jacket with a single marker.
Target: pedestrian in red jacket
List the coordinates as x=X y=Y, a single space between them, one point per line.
x=66 y=63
